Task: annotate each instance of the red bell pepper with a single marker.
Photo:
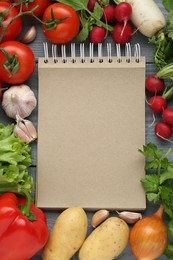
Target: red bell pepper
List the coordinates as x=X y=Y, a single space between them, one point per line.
x=23 y=228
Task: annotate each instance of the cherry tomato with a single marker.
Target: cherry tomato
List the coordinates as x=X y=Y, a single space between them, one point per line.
x=29 y=5
x=15 y=27
x=63 y=31
x=25 y=59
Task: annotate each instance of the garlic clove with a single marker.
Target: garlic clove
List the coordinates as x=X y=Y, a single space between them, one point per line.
x=130 y=217
x=99 y=217
x=31 y=129
x=21 y=134
x=30 y=35
x=25 y=130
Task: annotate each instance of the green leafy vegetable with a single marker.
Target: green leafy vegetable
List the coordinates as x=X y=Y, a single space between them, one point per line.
x=158 y=182
x=88 y=19
x=168 y=4
x=163 y=42
x=15 y=159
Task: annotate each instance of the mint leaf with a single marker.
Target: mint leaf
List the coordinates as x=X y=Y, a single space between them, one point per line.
x=76 y=4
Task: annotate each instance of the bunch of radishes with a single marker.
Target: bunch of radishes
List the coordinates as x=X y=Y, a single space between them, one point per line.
x=159 y=104
x=116 y=15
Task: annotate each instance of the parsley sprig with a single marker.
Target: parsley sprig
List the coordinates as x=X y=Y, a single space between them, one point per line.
x=158 y=182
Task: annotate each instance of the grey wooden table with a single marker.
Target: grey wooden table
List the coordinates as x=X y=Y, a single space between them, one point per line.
x=146 y=50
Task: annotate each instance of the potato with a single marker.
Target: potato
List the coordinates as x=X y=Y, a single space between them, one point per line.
x=107 y=241
x=67 y=235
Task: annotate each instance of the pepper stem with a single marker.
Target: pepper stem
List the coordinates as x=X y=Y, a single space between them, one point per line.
x=25 y=209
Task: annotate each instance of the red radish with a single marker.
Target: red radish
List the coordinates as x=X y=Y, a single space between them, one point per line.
x=168 y=116
x=108 y=15
x=157 y=104
x=91 y=4
x=122 y=34
x=154 y=84
x=163 y=130
x=122 y=13
x=97 y=35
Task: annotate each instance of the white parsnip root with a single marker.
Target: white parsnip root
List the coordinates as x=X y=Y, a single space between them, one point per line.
x=147 y=16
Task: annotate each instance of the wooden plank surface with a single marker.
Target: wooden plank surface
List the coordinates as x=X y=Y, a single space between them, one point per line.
x=146 y=50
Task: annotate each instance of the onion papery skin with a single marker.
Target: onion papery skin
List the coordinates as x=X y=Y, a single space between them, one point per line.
x=149 y=238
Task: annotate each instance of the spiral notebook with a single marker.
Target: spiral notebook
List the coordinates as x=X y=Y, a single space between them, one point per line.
x=91 y=123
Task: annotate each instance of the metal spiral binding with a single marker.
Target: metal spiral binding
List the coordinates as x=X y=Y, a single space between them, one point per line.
x=46 y=53
x=119 y=58
x=109 y=52
x=91 y=52
x=137 y=52
x=73 y=52
x=54 y=53
x=128 y=54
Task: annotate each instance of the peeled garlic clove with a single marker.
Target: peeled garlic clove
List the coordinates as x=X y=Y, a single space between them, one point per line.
x=30 y=35
x=130 y=217
x=99 y=217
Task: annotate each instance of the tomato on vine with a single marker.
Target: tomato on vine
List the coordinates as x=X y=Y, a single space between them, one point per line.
x=28 y=5
x=60 y=23
x=17 y=62
x=7 y=14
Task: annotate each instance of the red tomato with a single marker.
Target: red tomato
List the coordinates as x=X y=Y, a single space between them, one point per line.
x=15 y=27
x=25 y=58
x=29 y=5
x=63 y=31
x=0 y=89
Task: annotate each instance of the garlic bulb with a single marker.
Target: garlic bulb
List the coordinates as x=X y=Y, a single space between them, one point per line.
x=19 y=100
x=25 y=130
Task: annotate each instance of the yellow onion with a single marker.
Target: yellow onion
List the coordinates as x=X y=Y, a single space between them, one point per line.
x=149 y=237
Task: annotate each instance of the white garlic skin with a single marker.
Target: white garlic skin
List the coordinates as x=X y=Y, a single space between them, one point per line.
x=19 y=100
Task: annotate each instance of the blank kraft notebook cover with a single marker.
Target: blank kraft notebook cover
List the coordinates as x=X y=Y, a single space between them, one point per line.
x=91 y=123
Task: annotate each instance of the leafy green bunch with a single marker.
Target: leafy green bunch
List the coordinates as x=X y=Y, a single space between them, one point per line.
x=15 y=159
x=158 y=183
x=163 y=42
